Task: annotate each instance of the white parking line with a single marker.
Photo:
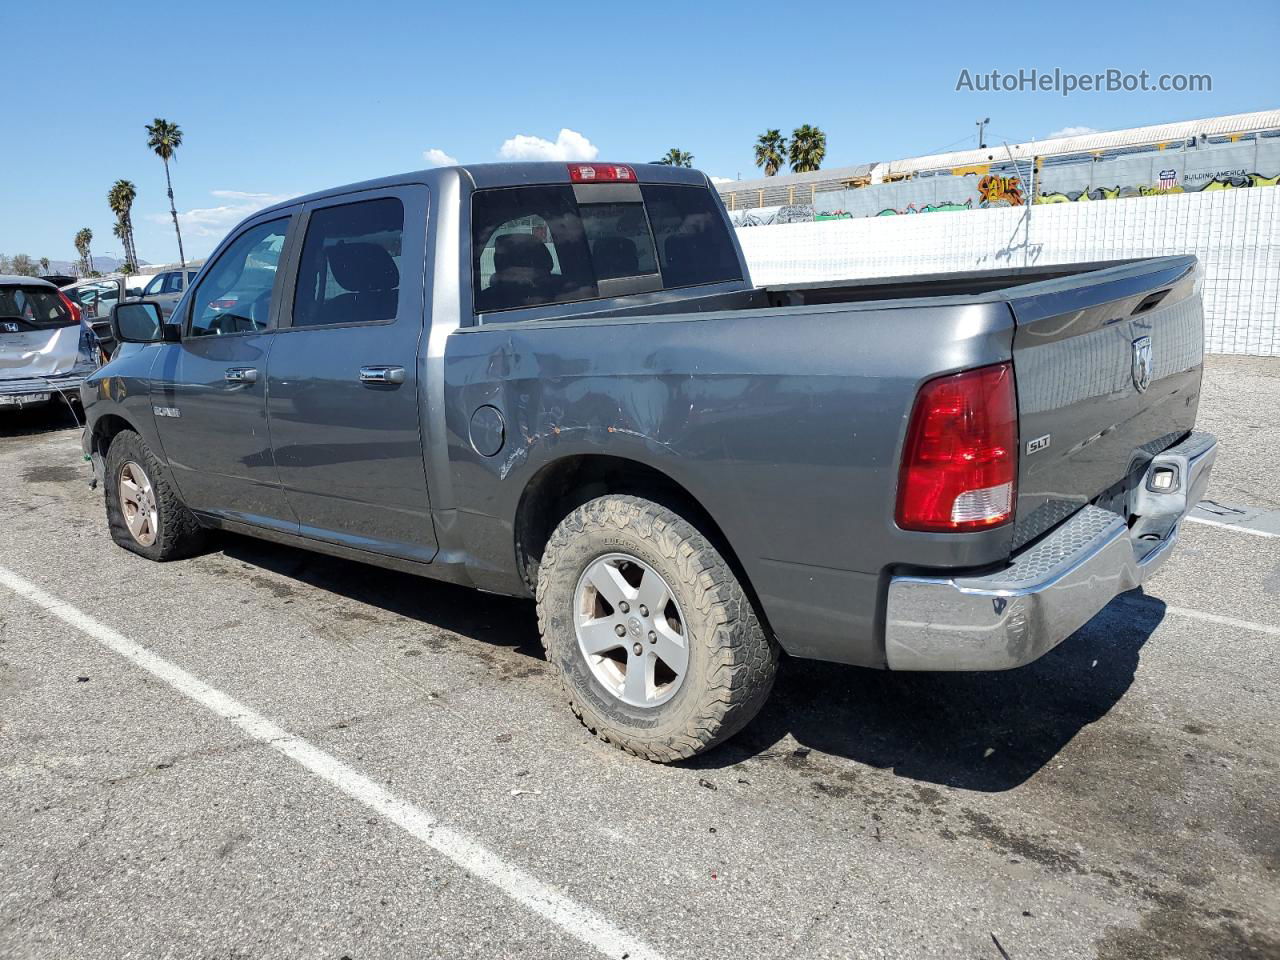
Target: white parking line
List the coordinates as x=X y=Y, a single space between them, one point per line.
x=530 y=892
x=1224 y=621
x=1231 y=526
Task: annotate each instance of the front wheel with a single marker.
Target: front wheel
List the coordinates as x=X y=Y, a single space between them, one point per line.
x=652 y=636
x=144 y=512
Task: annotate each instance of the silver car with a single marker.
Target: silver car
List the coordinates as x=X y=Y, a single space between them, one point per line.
x=166 y=289
x=45 y=349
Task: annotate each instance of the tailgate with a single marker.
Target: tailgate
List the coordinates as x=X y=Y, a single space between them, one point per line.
x=1108 y=367
x=26 y=353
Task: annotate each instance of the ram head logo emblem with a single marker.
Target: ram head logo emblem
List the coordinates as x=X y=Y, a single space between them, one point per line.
x=1142 y=363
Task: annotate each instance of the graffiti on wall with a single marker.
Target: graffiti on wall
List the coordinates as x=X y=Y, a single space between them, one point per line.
x=1229 y=180
x=1186 y=169
x=1221 y=166
x=765 y=216
x=945 y=206
x=1000 y=191
x=1076 y=196
x=1234 y=181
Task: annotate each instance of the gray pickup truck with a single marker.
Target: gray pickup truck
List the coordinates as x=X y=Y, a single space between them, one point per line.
x=557 y=380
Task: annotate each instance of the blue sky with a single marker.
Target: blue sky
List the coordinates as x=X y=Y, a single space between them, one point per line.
x=281 y=98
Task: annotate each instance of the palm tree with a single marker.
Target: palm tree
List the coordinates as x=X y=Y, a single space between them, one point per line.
x=165 y=138
x=120 y=198
x=808 y=149
x=44 y=264
x=675 y=157
x=84 y=237
x=118 y=229
x=771 y=152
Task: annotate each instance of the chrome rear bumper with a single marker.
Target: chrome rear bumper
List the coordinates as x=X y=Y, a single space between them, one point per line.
x=1013 y=616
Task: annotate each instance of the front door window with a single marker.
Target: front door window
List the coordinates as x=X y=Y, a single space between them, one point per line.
x=235 y=296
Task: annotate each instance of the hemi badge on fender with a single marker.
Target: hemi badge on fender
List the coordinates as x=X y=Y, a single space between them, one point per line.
x=166 y=411
x=1038 y=444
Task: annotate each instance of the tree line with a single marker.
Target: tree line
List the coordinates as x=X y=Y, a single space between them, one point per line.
x=805 y=151
x=23 y=265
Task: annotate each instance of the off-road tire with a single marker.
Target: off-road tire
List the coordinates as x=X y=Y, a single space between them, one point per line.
x=178 y=533
x=732 y=661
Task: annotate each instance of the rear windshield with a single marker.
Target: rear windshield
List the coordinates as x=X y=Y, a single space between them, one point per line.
x=32 y=308
x=536 y=245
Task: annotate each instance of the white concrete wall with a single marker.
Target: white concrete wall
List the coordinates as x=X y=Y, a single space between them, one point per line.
x=1233 y=232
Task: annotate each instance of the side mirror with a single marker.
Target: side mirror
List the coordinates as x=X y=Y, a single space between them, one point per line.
x=134 y=292
x=141 y=322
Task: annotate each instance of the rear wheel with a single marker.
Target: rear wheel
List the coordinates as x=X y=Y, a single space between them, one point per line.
x=144 y=512
x=653 y=638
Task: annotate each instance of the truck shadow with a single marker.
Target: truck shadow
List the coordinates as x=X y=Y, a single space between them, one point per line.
x=489 y=618
x=977 y=731
x=46 y=418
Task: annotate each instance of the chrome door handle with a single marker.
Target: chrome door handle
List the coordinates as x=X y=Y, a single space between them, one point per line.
x=241 y=375
x=382 y=374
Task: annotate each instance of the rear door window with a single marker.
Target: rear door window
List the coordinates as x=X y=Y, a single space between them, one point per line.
x=349 y=271
x=32 y=308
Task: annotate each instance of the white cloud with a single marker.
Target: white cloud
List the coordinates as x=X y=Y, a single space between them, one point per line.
x=438 y=158
x=1071 y=132
x=569 y=145
x=264 y=198
x=217 y=220
x=722 y=180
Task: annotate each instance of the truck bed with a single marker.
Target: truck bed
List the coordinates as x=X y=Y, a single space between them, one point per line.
x=795 y=438
x=1073 y=356
x=970 y=283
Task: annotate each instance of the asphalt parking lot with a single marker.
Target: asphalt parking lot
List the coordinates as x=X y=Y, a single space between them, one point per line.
x=261 y=753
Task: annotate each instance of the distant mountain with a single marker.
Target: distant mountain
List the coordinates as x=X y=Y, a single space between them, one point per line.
x=103 y=264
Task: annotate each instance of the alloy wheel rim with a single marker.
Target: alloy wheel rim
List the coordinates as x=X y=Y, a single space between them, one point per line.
x=631 y=630
x=138 y=503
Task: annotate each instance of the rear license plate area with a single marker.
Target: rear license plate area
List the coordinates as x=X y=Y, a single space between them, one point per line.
x=21 y=399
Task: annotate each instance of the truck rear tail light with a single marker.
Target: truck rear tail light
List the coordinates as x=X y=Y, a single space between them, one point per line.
x=600 y=173
x=960 y=462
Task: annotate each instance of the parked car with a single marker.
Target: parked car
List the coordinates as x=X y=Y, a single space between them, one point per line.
x=562 y=384
x=45 y=351
x=96 y=296
x=166 y=288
